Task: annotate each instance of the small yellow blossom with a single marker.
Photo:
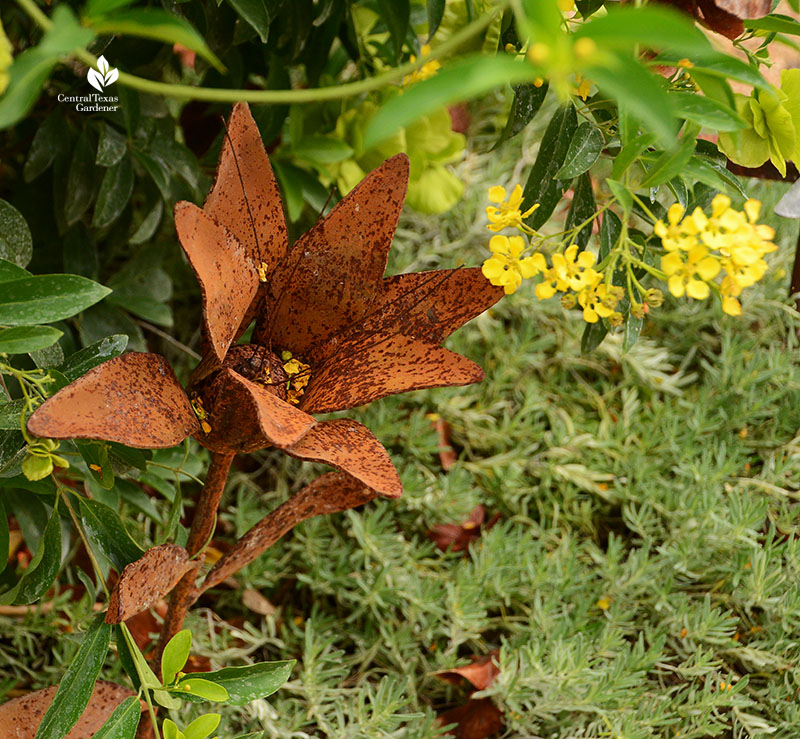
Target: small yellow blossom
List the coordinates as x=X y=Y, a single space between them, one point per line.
x=507 y=213
x=574 y=271
x=262 y=272
x=505 y=268
x=539 y=53
x=594 y=301
x=538 y=82
x=299 y=376
x=584 y=48
x=426 y=71
x=584 y=87
x=683 y=275
x=604 y=603
x=685 y=64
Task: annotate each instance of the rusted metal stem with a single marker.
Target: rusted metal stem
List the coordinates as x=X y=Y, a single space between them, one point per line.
x=203 y=520
x=331 y=493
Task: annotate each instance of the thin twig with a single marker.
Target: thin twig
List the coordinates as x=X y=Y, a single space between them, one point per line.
x=171 y=339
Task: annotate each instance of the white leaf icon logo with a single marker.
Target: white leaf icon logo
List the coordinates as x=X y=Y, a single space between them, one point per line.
x=104 y=77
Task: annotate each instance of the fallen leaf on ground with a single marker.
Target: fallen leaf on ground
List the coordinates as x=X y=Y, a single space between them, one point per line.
x=455 y=537
x=480 y=673
x=477 y=719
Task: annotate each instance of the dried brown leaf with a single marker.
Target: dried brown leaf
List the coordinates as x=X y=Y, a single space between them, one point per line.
x=455 y=537
x=477 y=719
x=134 y=399
x=481 y=672
x=20 y=717
x=146 y=581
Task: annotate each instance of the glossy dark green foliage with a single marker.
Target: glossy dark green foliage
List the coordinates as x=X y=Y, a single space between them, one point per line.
x=582 y=209
x=543 y=186
x=528 y=99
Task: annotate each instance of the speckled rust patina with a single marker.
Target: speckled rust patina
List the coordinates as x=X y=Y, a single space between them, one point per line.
x=331 y=332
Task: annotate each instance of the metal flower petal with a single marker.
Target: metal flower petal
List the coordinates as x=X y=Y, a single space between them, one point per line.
x=352 y=448
x=134 y=399
x=228 y=279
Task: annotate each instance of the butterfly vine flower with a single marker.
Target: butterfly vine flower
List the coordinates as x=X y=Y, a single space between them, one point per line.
x=330 y=333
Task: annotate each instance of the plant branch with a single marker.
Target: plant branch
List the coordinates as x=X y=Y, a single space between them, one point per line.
x=332 y=493
x=202 y=528
x=222 y=95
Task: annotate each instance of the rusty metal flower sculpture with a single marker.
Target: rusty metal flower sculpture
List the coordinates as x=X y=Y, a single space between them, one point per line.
x=331 y=333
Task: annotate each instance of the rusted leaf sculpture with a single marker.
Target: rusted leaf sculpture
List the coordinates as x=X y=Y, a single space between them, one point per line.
x=331 y=333
x=144 y=582
x=724 y=16
x=20 y=717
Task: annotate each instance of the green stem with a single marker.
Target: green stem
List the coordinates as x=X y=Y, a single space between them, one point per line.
x=334 y=92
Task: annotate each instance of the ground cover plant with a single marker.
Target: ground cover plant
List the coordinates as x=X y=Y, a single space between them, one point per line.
x=597 y=539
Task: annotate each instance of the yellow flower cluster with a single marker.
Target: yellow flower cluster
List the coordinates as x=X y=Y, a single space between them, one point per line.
x=299 y=375
x=426 y=71
x=700 y=248
x=507 y=213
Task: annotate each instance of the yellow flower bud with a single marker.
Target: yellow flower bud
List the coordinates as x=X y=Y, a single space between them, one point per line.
x=539 y=53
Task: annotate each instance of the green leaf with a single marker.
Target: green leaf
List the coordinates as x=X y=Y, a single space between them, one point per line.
x=10 y=271
x=80 y=179
x=706 y=112
x=638 y=92
x=43 y=568
x=24 y=339
x=435 y=10
x=149 y=223
x=669 y=164
x=584 y=149
x=47 y=298
x=775 y=23
x=588 y=7
x=610 y=231
x=82 y=361
x=630 y=153
x=159 y=25
x=202 y=726
x=528 y=99
x=115 y=192
x=169 y=729
x=202 y=688
x=51 y=138
x=322 y=149
x=16 y=244
x=543 y=187
x=32 y=67
x=12 y=450
x=250 y=682
x=724 y=67
x=655 y=27
x=111 y=146
x=95 y=454
x=593 y=335
x=633 y=327
x=100 y=7
x=105 y=527
x=4 y=537
x=463 y=80
x=122 y=724
x=256 y=14
x=396 y=15
x=76 y=686
x=582 y=209
x=713 y=174
x=10 y=413
x=48 y=357
x=176 y=652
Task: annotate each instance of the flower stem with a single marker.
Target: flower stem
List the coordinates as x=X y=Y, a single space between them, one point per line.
x=205 y=515
x=221 y=95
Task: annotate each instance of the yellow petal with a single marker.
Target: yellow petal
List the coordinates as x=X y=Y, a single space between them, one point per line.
x=516 y=244
x=499 y=244
x=516 y=196
x=697 y=290
x=671 y=263
x=586 y=259
x=708 y=268
x=497 y=194
x=545 y=290
x=752 y=207
x=570 y=253
x=720 y=204
x=696 y=253
x=493 y=268
x=732 y=306
x=530 y=210
x=528 y=267
x=589 y=315
x=675 y=284
x=603 y=310
x=674 y=213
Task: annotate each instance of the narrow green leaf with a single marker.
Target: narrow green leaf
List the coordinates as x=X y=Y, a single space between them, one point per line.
x=724 y=67
x=10 y=271
x=256 y=14
x=528 y=99
x=12 y=449
x=775 y=23
x=76 y=686
x=396 y=14
x=16 y=244
x=669 y=164
x=593 y=335
x=24 y=339
x=202 y=688
x=584 y=149
x=4 y=537
x=80 y=179
x=543 y=187
x=159 y=25
x=51 y=138
x=202 y=726
x=582 y=209
x=105 y=527
x=633 y=327
x=706 y=112
x=10 y=413
x=111 y=146
x=115 y=192
x=463 y=80
x=82 y=361
x=100 y=7
x=43 y=568
x=435 y=14
x=176 y=652
x=610 y=231
x=248 y=683
x=710 y=173
x=47 y=298
x=322 y=149
x=122 y=724
x=630 y=152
